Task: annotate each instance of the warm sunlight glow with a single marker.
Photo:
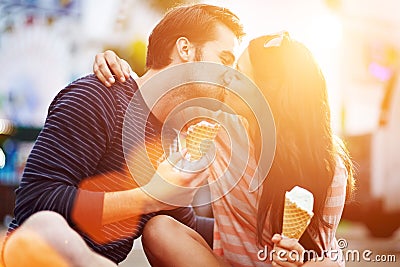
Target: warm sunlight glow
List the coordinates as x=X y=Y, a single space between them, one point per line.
x=324 y=37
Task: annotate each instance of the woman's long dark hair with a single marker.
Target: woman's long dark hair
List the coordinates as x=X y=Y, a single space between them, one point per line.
x=306 y=150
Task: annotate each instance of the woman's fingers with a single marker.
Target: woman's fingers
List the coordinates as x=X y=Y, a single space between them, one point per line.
x=114 y=65
x=126 y=68
x=288 y=252
x=276 y=238
x=107 y=65
x=291 y=245
x=100 y=68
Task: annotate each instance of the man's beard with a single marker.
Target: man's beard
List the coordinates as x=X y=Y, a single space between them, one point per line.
x=220 y=91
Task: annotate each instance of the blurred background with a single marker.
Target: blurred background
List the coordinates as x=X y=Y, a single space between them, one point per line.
x=45 y=44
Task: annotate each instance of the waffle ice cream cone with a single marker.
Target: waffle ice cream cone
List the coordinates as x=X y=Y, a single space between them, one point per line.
x=199 y=138
x=297 y=212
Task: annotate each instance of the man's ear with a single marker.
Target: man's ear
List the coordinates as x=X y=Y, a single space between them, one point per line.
x=185 y=49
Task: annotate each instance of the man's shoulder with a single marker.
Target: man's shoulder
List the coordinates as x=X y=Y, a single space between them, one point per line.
x=91 y=84
x=90 y=89
x=90 y=80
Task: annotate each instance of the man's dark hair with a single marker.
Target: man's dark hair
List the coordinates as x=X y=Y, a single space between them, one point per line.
x=196 y=22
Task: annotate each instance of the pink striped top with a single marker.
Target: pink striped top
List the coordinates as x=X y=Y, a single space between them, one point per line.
x=235 y=209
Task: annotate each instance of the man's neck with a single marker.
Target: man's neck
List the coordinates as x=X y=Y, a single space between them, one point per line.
x=147 y=76
x=146 y=93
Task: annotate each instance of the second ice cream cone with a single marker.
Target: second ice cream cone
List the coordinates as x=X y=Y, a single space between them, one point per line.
x=297 y=212
x=295 y=220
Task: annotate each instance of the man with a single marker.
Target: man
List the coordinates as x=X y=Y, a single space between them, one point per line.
x=77 y=167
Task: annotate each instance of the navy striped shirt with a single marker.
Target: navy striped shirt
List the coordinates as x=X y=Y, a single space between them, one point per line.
x=82 y=138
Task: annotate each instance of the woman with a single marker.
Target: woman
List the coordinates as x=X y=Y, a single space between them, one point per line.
x=307 y=155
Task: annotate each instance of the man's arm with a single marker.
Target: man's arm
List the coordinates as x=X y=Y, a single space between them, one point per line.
x=167 y=190
x=70 y=146
x=68 y=150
